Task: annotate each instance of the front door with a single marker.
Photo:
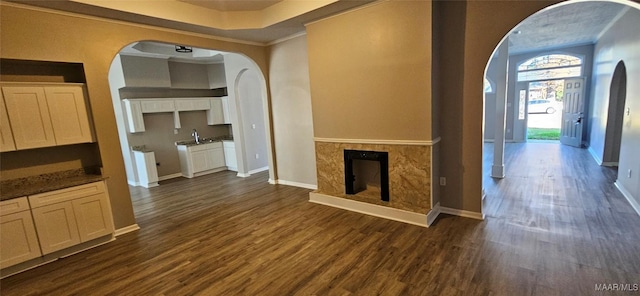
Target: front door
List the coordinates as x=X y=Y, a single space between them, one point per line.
x=572 y=112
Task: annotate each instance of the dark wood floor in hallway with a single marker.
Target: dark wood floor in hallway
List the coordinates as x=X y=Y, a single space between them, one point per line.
x=555 y=226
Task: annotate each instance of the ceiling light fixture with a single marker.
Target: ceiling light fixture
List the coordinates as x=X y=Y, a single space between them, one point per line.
x=183 y=49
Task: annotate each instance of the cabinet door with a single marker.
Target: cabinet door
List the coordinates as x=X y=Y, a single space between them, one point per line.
x=18 y=239
x=215 y=158
x=29 y=117
x=57 y=227
x=230 y=159
x=93 y=216
x=69 y=116
x=215 y=115
x=133 y=113
x=6 y=136
x=225 y=110
x=200 y=161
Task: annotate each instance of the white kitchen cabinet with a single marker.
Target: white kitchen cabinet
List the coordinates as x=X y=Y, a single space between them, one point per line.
x=146 y=167
x=195 y=104
x=219 y=112
x=29 y=117
x=57 y=227
x=230 y=159
x=197 y=160
x=6 y=136
x=71 y=216
x=225 y=110
x=69 y=115
x=18 y=238
x=157 y=106
x=43 y=116
x=133 y=113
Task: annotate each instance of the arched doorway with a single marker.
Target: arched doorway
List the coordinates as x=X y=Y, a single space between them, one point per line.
x=617 y=100
x=153 y=70
x=512 y=108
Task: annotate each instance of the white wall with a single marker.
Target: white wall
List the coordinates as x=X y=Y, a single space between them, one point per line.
x=292 y=117
x=116 y=81
x=620 y=43
x=247 y=104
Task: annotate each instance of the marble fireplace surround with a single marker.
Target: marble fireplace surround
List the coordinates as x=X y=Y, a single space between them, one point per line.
x=409 y=180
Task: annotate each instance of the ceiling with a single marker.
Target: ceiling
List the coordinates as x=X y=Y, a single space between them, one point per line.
x=236 y=5
x=265 y=21
x=566 y=25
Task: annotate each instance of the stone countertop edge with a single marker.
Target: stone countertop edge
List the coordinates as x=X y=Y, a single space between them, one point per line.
x=207 y=141
x=41 y=187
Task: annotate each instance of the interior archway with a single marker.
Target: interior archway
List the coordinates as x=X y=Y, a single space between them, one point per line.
x=617 y=100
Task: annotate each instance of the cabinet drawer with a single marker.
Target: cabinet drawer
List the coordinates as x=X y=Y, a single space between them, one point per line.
x=14 y=206
x=66 y=194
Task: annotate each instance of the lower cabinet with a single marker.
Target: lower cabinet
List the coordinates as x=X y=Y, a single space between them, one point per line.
x=18 y=238
x=71 y=216
x=201 y=159
x=230 y=159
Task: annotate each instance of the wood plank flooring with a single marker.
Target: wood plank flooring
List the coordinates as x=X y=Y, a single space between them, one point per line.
x=554 y=226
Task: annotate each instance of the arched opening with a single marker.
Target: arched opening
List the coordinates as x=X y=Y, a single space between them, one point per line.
x=616 y=111
x=586 y=118
x=167 y=101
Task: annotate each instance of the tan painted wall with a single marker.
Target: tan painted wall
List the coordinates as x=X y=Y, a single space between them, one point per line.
x=30 y=34
x=291 y=104
x=370 y=72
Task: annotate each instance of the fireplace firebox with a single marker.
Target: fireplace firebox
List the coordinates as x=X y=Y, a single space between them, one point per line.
x=364 y=168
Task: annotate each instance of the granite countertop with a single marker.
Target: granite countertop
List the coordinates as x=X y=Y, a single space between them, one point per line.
x=204 y=141
x=20 y=187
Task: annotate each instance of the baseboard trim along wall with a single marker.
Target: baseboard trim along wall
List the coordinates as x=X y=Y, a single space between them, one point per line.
x=433 y=214
x=370 y=209
x=127 y=229
x=594 y=155
x=172 y=176
x=262 y=169
x=628 y=196
x=296 y=184
x=462 y=213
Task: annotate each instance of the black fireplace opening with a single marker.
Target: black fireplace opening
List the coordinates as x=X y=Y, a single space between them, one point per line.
x=366 y=171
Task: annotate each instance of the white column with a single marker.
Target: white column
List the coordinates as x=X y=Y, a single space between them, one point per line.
x=497 y=170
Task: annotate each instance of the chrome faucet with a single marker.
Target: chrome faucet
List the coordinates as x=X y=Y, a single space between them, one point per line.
x=196 y=136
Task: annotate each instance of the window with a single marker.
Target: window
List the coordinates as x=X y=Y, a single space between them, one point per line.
x=550 y=67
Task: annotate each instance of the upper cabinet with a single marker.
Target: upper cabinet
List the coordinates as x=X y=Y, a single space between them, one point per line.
x=219 y=112
x=6 y=136
x=145 y=72
x=43 y=116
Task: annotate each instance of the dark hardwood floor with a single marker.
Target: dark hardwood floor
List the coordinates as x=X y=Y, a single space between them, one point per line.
x=555 y=226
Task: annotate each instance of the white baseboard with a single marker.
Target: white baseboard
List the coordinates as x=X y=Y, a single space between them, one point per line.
x=262 y=169
x=272 y=181
x=595 y=155
x=634 y=204
x=172 y=176
x=132 y=183
x=243 y=175
x=126 y=229
x=296 y=184
x=433 y=214
x=369 y=209
x=462 y=213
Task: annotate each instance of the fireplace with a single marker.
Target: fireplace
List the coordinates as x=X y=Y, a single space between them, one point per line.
x=367 y=172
